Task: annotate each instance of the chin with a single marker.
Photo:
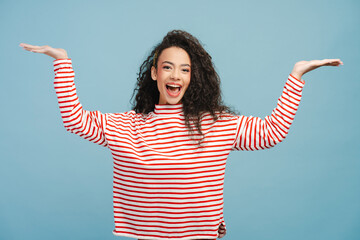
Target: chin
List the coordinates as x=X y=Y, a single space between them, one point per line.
x=173 y=102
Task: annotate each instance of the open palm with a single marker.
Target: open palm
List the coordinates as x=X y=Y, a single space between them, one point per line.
x=302 y=67
x=57 y=53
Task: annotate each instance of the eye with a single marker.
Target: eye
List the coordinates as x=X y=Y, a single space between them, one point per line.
x=166 y=67
x=186 y=70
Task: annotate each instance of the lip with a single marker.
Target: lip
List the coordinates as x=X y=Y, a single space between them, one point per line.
x=173 y=83
x=171 y=94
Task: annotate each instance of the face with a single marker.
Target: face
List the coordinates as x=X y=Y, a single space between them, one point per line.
x=172 y=74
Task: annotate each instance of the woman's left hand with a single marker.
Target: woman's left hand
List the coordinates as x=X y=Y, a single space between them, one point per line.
x=303 y=67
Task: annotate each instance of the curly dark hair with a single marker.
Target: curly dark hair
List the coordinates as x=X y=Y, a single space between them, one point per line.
x=203 y=94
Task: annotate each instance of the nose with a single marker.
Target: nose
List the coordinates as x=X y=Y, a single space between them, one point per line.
x=175 y=74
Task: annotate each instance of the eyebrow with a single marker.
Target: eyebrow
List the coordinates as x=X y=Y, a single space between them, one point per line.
x=185 y=64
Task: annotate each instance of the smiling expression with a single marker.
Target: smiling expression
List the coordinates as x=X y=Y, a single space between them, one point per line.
x=172 y=74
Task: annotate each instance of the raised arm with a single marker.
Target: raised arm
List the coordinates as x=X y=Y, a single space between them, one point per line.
x=254 y=133
x=87 y=124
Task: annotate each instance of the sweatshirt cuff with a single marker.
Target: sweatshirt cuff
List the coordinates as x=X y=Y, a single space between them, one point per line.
x=62 y=64
x=301 y=80
x=62 y=60
x=295 y=83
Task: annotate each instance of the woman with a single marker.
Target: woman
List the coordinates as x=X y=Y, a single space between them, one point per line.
x=170 y=151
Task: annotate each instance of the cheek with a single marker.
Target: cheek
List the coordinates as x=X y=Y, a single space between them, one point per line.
x=161 y=74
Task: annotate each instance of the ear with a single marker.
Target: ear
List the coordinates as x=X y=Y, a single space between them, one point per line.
x=153 y=73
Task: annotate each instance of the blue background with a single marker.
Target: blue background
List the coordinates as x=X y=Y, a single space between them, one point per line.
x=55 y=185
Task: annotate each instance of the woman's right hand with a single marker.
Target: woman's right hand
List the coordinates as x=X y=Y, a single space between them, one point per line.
x=303 y=67
x=57 y=53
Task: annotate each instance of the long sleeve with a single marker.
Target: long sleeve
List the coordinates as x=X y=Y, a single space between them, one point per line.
x=90 y=125
x=254 y=133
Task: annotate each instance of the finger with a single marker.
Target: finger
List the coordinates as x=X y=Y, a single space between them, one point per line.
x=331 y=62
x=335 y=63
x=37 y=49
x=221 y=229
x=27 y=46
x=33 y=50
x=24 y=45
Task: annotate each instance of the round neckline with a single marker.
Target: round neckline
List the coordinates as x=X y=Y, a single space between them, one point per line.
x=168 y=109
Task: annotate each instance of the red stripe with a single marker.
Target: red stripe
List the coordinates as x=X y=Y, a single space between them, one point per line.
x=291 y=90
x=167 y=222
x=177 y=148
x=119 y=157
x=167 y=174
x=165 y=227
x=159 y=236
x=287 y=105
x=151 y=198
x=153 y=143
x=293 y=81
x=256 y=131
x=179 y=206
x=171 y=179
x=165 y=126
x=64 y=62
x=279 y=122
x=241 y=124
x=153 y=203
x=271 y=130
x=174 y=163
x=283 y=114
x=178 y=188
x=201 y=212
x=284 y=109
x=291 y=100
x=176 y=154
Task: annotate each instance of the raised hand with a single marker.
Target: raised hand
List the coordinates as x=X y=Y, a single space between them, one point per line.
x=57 y=53
x=303 y=67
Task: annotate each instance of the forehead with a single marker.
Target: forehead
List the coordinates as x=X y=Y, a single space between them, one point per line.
x=175 y=55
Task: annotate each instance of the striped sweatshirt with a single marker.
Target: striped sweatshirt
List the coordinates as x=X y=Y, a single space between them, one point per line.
x=166 y=185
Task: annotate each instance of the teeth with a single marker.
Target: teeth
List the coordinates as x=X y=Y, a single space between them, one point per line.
x=172 y=85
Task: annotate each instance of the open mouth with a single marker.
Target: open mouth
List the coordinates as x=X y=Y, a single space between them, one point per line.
x=173 y=89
